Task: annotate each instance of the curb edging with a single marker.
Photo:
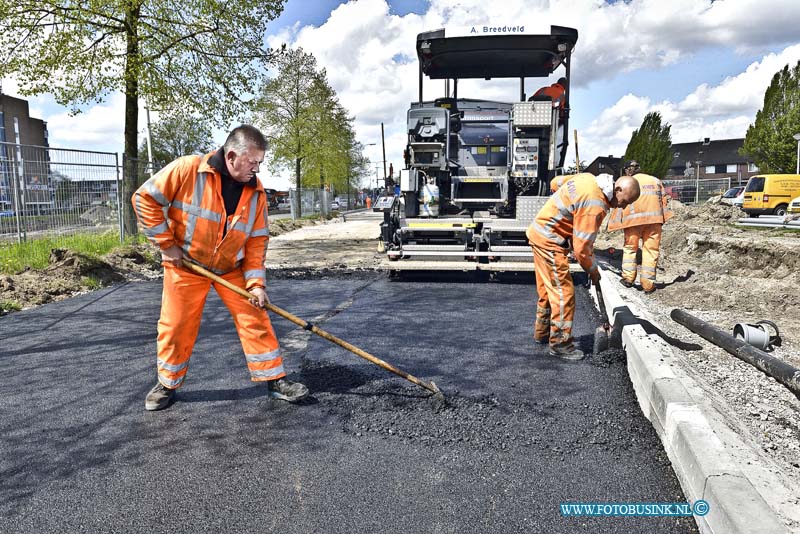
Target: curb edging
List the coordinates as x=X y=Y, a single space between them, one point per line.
x=704 y=468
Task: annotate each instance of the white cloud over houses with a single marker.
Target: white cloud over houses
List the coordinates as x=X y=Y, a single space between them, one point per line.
x=370 y=58
x=721 y=111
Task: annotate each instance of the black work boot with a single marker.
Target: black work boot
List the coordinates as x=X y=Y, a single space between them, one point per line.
x=625 y=283
x=570 y=354
x=159 y=398
x=286 y=390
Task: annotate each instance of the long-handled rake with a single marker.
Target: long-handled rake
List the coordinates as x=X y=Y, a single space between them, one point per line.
x=430 y=386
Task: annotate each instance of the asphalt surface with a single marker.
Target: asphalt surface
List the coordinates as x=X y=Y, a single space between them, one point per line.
x=520 y=433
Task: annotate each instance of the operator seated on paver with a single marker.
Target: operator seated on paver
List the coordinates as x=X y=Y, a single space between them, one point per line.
x=642 y=220
x=555 y=92
x=216 y=216
x=570 y=219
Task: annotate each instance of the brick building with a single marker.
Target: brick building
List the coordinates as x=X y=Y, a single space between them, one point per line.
x=717 y=159
x=18 y=130
x=714 y=158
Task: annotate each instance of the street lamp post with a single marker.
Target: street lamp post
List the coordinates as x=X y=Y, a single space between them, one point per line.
x=697 y=178
x=797 y=138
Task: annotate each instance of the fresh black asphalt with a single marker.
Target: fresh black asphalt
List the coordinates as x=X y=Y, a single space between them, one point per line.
x=368 y=452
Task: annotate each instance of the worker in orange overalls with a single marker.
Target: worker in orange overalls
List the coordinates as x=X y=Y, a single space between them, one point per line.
x=558 y=181
x=369 y=202
x=556 y=93
x=212 y=210
x=570 y=217
x=642 y=220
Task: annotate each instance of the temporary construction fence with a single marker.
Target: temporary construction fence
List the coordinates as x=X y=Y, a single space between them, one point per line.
x=52 y=192
x=45 y=190
x=692 y=191
x=309 y=202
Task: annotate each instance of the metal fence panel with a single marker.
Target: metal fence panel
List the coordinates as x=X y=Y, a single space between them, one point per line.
x=691 y=191
x=53 y=192
x=307 y=203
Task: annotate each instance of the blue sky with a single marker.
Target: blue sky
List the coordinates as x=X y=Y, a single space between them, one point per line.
x=704 y=65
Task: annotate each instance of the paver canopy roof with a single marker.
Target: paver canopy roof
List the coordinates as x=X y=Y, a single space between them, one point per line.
x=494 y=56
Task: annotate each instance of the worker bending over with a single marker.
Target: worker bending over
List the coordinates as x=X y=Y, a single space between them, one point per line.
x=641 y=221
x=212 y=210
x=570 y=219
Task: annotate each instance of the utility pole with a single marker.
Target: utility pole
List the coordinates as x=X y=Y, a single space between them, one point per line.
x=149 y=142
x=383 y=143
x=697 y=181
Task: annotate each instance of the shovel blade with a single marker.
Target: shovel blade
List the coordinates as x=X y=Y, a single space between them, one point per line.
x=600 y=340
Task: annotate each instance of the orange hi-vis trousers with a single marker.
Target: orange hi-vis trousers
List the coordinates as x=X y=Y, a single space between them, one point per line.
x=650 y=235
x=182 y=303
x=555 y=309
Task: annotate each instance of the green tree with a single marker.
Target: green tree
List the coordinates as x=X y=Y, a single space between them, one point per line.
x=650 y=146
x=175 y=136
x=202 y=55
x=309 y=130
x=770 y=139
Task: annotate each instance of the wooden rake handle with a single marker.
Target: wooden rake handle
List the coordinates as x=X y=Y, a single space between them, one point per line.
x=430 y=386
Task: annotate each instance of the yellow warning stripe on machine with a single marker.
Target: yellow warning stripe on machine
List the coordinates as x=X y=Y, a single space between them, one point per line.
x=477 y=180
x=441 y=225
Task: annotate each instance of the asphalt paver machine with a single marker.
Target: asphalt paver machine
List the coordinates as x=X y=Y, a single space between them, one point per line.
x=477 y=171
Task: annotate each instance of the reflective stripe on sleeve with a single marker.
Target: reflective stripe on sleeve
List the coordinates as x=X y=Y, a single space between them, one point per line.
x=153 y=190
x=155 y=230
x=255 y=273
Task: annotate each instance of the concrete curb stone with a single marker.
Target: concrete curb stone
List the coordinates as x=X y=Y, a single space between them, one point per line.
x=704 y=468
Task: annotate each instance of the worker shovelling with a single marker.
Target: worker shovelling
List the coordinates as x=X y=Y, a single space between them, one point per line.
x=570 y=219
x=212 y=210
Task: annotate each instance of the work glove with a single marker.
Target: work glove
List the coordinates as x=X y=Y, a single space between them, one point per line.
x=259 y=298
x=172 y=255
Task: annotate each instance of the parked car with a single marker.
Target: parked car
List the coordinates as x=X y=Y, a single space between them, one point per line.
x=335 y=205
x=794 y=206
x=681 y=193
x=732 y=195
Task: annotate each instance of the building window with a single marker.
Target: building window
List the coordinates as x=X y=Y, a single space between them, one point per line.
x=732 y=168
x=710 y=169
x=601 y=166
x=751 y=167
x=2 y=127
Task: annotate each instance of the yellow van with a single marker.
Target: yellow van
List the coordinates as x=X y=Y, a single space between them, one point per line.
x=770 y=194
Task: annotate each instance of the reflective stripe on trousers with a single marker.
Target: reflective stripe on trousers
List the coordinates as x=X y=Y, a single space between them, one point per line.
x=182 y=302
x=556 y=292
x=650 y=235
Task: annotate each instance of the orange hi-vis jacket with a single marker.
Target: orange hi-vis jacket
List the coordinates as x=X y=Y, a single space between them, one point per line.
x=650 y=208
x=182 y=205
x=575 y=212
x=558 y=181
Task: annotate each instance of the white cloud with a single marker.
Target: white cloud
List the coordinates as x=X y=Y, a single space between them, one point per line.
x=723 y=111
x=370 y=58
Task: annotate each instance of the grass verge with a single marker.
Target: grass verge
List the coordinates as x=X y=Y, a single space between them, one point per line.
x=35 y=254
